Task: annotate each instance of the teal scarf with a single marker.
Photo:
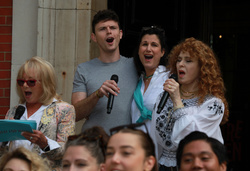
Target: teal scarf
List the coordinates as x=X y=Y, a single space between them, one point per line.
x=145 y=113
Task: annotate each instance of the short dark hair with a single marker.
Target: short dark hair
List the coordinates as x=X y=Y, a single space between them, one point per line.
x=218 y=148
x=104 y=15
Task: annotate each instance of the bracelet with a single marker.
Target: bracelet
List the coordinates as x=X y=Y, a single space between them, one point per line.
x=97 y=94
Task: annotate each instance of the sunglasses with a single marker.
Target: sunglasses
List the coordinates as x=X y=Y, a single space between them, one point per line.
x=130 y=126
x=152 y=28
x=30 y=83
x=89 y=139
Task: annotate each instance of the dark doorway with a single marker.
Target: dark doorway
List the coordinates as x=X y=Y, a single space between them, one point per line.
x=225 y=26
x=179 y=18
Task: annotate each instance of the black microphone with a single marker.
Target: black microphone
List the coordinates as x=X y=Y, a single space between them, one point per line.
x=165 y=96
x=111 y=96
x=18 y=114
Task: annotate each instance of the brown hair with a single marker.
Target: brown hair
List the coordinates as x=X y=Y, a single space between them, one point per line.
x=210 y=81
x=95 y=139
x=146 y=143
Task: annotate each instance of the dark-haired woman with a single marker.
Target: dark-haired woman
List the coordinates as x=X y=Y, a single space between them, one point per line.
x=150 y=62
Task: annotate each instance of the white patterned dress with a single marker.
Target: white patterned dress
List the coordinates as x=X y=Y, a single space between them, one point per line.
x=169 y=127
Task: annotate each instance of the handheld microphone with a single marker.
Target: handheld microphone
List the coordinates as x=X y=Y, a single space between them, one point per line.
x=18 y=114
x=165 y=96
x=111 y=96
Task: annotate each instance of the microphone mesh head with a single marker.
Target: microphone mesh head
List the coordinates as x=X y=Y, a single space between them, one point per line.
x=114 y=77
x=19 y=112
x=174 y=76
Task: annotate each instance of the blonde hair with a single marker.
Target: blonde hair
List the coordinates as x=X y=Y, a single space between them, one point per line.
x=210 y=80
x=36 y=162
x=45 y=73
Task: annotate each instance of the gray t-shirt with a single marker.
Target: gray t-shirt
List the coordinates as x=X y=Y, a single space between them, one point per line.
x=89 y=77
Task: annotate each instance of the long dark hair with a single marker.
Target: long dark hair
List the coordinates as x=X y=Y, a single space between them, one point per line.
x=160 y=33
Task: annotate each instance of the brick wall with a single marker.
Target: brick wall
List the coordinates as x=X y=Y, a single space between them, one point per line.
x=5 y=54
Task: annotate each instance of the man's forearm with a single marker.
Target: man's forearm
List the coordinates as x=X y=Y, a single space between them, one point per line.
x=84 y=107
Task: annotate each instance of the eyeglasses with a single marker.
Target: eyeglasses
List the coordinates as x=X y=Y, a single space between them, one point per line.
x=89 y=139
x=30 y=83
x=130 y=126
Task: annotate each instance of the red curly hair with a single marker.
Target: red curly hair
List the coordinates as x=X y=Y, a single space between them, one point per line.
x=210 y=81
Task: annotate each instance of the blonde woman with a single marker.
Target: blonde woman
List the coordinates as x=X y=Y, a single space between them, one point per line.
x=23 y=159
x=36 y=88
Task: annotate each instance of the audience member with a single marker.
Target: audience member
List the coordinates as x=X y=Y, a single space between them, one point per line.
x=36 y=87
x=150 y=61
x=197 y=102
x=22 y=159
x=197 y=151
x=86 y=151
x=130 y=149
x=92 y=79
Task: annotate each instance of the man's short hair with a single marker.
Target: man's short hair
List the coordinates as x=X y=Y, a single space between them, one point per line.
x=104 y=15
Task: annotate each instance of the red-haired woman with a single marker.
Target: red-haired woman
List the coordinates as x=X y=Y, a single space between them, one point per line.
x=197 y=101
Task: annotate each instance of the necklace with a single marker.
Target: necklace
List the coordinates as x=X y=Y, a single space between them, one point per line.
x=147 y=77
x=188 y=94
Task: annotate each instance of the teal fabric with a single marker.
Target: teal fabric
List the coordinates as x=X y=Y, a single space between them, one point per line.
x=145 y=113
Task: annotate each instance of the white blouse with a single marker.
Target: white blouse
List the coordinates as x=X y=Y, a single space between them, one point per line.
x=37 y=117
x=169 y=127
x=149 y=97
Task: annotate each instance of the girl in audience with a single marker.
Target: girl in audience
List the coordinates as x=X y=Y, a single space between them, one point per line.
x=130 y=149
x=86 y=151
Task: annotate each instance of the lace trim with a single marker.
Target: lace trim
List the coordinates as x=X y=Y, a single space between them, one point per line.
x=168 y=158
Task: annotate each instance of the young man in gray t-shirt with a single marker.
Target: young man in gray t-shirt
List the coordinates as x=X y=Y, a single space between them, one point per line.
x=92 y=79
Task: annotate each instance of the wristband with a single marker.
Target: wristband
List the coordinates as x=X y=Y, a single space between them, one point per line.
x=46 y=148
